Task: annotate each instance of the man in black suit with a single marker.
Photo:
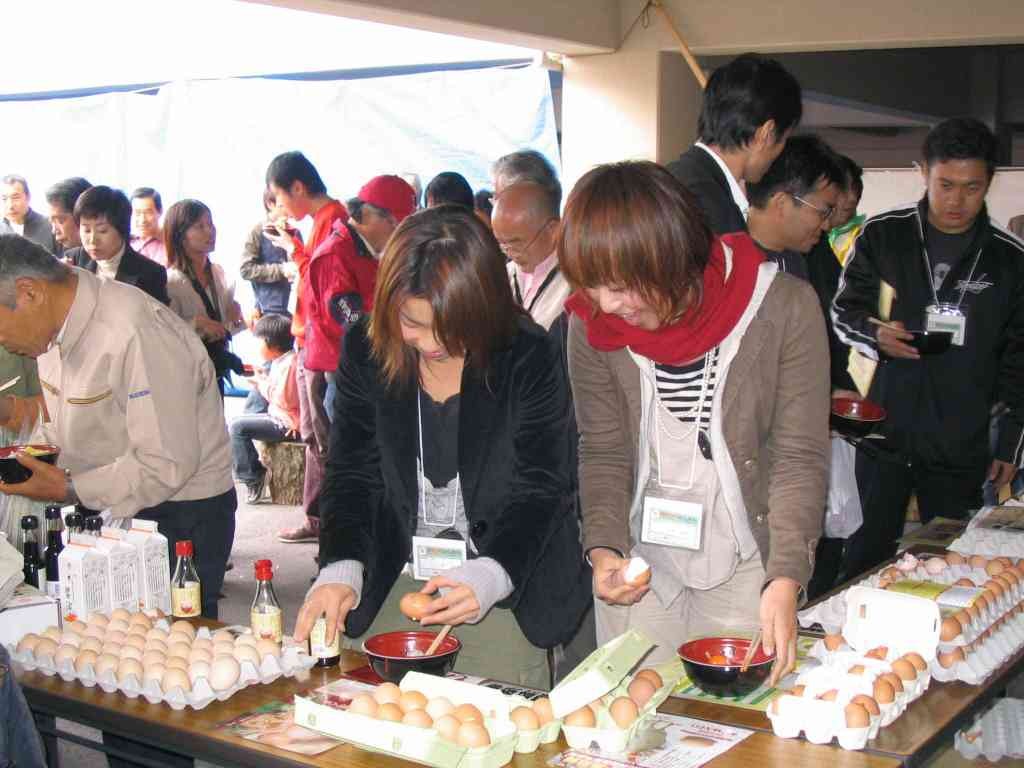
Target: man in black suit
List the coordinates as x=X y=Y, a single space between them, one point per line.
x=61 y=199
x=750 y=107
x=19 y=218
x=104 y=218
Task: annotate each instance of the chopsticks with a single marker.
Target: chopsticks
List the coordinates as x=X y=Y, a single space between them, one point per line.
x=751 y=650
x=883 y=324
x=439 y=639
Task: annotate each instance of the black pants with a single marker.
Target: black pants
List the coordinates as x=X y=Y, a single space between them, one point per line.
x=885 y=490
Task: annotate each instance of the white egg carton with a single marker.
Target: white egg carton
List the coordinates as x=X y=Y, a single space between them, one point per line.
x=874 y=618
x=984 y=656
x=293 y=661
x=978 y=540
x=997 y=734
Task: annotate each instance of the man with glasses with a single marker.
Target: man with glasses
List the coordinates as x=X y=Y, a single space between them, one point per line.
x=792 y=204
x=525 y=222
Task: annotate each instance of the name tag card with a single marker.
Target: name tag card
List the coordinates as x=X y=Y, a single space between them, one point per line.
x=955 y=324
x=432 y=557
x=672 y=523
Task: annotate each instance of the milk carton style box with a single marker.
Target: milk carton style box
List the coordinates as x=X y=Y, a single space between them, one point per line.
x=122 y=572
x=84 y=578
x=154 y=568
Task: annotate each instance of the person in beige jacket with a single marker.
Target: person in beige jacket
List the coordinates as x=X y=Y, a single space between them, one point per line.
x=700 y=379
x=130 y=398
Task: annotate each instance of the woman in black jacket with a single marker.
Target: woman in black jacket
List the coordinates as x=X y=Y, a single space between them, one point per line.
x=451 y=420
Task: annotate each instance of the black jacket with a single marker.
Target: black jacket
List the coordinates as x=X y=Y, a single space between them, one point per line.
x=134 y=269
x=704 y=178
x=37 y=229
x=513 y=467
x=939 y=405
x=823 y=271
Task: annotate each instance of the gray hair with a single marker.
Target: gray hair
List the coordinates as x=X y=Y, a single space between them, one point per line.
x=21 y=258
x=531 y=166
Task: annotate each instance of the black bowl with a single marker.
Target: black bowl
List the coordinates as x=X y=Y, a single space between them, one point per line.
x=13 y=472
x=391 y=654
x=700 y=659
x=931 y=342
x=856 y=418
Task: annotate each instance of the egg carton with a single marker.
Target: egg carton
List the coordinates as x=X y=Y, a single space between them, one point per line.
x=293 y=661
x=978 y=540
x=984 y=656
x=997 y=734
x=529 y=740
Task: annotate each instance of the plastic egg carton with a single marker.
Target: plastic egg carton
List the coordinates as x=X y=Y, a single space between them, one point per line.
x=997 y=734
x=989 y=542
x=528 y=741
x=292 y=661
x=984 y=656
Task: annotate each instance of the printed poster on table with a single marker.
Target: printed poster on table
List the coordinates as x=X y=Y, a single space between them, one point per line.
x=274 y=725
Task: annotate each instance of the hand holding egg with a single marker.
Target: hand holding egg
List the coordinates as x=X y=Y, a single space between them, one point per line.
x=613 y=576
x=456 y=606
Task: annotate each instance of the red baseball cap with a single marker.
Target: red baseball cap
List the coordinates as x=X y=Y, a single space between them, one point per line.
x=391 y=193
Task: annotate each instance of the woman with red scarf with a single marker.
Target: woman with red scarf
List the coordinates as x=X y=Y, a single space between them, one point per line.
x=700 y=377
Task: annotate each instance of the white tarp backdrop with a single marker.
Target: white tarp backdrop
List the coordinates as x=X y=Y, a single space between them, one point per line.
x=212 y=140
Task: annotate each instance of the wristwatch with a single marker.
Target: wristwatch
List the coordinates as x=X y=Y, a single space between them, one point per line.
x=70 y=497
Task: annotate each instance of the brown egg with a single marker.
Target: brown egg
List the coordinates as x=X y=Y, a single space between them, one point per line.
x=120 y=614
x=797 y=690
x=418 y=718
x=883 y=692
x=78 y=627
x=963 y=583
x=597 y=705
x=65 y=653
x=542 y=707
x=829 y=695
x=524 y=719
x=917 y=660
x=949 y=629
x=448 y=727
x=884 y=583
x=893 y=680
x=107 y=662
x=130 y=652
x=856 y=716
x=185 y=627
x=955 y=558
x=640 y=691
x=994 y=567
x=581 y=718
x=472 y=736
x=977 y=561
x=856 y=669
x=390 y=712
x=153 y=672
x=994 y=587
x=415 y=605
x=891 y=573
x=467 y=713
x=1004 y=560
x=963 y=618
x=868 y=703
x=413 y=700
x=947 y=660
x=28 y=642
x=388 y=693
x=135 y=641
x=904 y=670
x=224 y=672
x=651 y=675
x=623 y=711
x=833 y=642
x=363 y=704
x=878 y=653
x=117 y=625
x=175 y=678
x=129 y=668
x=981 y=603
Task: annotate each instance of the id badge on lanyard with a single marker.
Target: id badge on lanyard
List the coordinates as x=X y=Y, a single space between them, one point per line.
x=432 y=556
x=946 y=317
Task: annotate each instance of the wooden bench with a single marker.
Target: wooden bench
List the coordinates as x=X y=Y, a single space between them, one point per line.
x=286 y=465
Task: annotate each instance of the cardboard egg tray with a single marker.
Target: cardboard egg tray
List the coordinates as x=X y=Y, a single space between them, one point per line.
x=292 y=661
x=997 y=734
x=874 y=618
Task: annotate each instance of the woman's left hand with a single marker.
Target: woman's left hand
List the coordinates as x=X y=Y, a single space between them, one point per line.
x=458 y=606
x=778 y=625
x=47 y=483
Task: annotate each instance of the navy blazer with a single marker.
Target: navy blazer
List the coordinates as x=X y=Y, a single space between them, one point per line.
x=514 y=467
x=134 y=269
x=704 y=178
x=37 y=229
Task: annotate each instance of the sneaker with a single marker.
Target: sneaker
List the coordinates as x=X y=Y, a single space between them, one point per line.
x=254 y=490
x=298 y=535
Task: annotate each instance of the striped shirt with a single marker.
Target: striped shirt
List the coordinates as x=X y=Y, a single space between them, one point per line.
x=679 y=388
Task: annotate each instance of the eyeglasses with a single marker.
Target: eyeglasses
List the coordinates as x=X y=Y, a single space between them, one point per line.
x=509 y=250
x=825 y=213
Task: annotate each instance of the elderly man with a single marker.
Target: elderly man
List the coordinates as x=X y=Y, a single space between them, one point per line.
x=61 y=199
x=525 y=223
x=130 y=397
x=19 y=218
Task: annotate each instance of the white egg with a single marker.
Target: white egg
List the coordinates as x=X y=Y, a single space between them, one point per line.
x=198 y=669
x=175 y=678
x=223 y=636
x=223 y=649
x=65 y=653
x=224 y=673
x=199 y=654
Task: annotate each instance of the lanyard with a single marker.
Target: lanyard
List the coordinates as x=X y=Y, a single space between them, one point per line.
x=931 y=274
x=698 y=411
x=420 y=467
x=536 y=297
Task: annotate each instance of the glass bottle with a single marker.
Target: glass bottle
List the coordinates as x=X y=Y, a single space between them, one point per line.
x=54 y=546
x=266 y=617
x=93 y=525
x=186 y=594
x=30 y=549
x=75 y=524
x=326 y=654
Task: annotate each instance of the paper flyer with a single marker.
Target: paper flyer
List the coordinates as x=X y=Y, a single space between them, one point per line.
x=273 y=724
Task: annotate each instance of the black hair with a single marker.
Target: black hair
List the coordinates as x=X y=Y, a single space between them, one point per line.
x=151 y=194
x=482 y=201
x=449 y=187
x=854 y=175
x=531 y=166
x=289 y=167
x=797 y=171
x=112 y=204
x=961 y=138
x=66 y=193
x=744 y=95
x=275 y=331
x=13 y=178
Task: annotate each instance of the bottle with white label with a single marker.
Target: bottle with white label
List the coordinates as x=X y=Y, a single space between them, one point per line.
x=326 y=654
x=266 y=617
x=54 y=546
x=186 y=595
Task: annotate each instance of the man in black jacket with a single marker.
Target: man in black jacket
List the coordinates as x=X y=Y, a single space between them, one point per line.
x=19 y=218
x=750 y=106
x=104 y=219
x=951 y=268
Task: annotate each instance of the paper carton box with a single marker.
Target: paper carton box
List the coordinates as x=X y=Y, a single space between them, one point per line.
x=153 y=569
x=29 y=610
x=84 y=578
x=122 y=572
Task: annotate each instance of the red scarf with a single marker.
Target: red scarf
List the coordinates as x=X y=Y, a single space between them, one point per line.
x=701 y=328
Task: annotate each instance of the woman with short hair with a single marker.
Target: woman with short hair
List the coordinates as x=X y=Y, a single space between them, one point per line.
x=451 y=423
x=699 y=377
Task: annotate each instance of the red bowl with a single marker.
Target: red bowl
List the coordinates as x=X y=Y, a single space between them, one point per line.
x=724 y=679
x=13 y=472
x=855 y=417
x=391 y=654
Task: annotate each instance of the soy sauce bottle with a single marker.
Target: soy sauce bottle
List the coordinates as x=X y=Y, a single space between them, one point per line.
x=54 y=546
x=75 y=524
x=30 y=549
x=265 y=616
x=326 y=654
x=93 y=525
x=186 y=594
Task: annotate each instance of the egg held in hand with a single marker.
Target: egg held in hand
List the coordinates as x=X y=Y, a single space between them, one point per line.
x=415 y=605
